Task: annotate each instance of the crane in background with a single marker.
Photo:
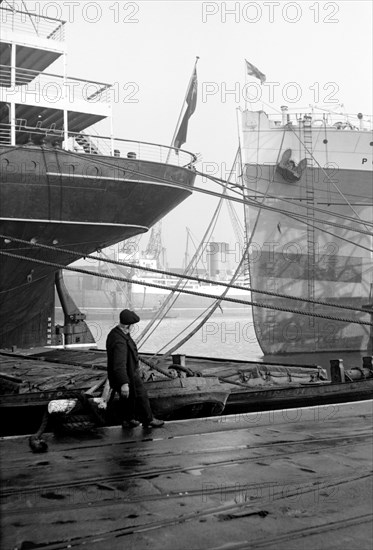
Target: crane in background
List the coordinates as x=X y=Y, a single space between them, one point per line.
x=155 y=249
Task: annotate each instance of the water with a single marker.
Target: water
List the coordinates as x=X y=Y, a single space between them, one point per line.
x=225 y=335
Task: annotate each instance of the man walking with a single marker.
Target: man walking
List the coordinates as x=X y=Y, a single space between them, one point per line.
x=124 y=374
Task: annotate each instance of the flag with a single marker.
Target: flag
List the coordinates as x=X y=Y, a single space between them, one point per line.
x=191 y=101
x=253 y=71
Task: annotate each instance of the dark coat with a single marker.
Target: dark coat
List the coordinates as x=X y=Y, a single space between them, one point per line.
x=122 y=358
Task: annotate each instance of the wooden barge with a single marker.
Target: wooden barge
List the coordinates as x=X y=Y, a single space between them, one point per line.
x=257 y=386
x=30 y=382
x=200 y=387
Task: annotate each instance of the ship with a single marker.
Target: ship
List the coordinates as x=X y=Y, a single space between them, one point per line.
x=63 y=185
x=104 y=295
x=307 y=180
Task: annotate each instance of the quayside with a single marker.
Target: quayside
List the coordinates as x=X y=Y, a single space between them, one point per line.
x=280 y=479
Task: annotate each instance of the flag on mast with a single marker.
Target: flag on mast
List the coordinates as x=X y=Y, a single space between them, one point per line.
x=253 y=71
x=191 y=101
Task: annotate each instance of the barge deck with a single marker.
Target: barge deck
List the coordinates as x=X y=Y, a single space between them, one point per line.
x=203 y=386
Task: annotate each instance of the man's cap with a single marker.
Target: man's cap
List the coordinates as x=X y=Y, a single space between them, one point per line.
x=128 y=317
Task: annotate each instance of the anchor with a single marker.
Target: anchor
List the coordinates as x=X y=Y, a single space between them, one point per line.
x=288 y=169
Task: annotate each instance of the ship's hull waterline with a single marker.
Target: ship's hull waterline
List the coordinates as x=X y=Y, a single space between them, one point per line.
x=78 y=202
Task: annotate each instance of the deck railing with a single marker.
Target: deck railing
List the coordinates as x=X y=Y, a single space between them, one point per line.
x=84 y=143
x=31 y=23
x=131 y=149
x=51 y=87
x=341 y=121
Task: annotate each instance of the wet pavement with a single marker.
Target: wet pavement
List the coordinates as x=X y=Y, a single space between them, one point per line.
x=285 y=479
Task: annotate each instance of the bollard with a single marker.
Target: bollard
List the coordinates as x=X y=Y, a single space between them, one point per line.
x=368 y=362
x=337 y=371
x=178 y=359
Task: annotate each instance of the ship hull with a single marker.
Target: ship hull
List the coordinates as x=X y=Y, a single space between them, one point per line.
x=338 y=271
x=79 y=202
x=309 y=215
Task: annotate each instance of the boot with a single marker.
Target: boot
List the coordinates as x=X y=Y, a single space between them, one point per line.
x=130 y=423
x=155 y=423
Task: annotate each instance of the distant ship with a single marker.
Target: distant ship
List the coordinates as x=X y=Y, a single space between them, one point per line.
x=61 y=185
x=102 y=296
x=310 y=176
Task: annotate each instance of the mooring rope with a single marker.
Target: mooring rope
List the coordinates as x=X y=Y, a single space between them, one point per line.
x=329 y=178
x=185 y=291
x=233 y=188
x=193 y=188
x=236 y=273
x=210 y=310
x=170 y=274
x=171 y=299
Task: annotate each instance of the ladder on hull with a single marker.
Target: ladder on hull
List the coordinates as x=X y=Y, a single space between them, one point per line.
x=310 y=200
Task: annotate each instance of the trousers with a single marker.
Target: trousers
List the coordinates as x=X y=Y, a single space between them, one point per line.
x=136 y=405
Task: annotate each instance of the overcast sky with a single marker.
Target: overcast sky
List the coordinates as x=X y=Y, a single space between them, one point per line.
x=325 y=48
